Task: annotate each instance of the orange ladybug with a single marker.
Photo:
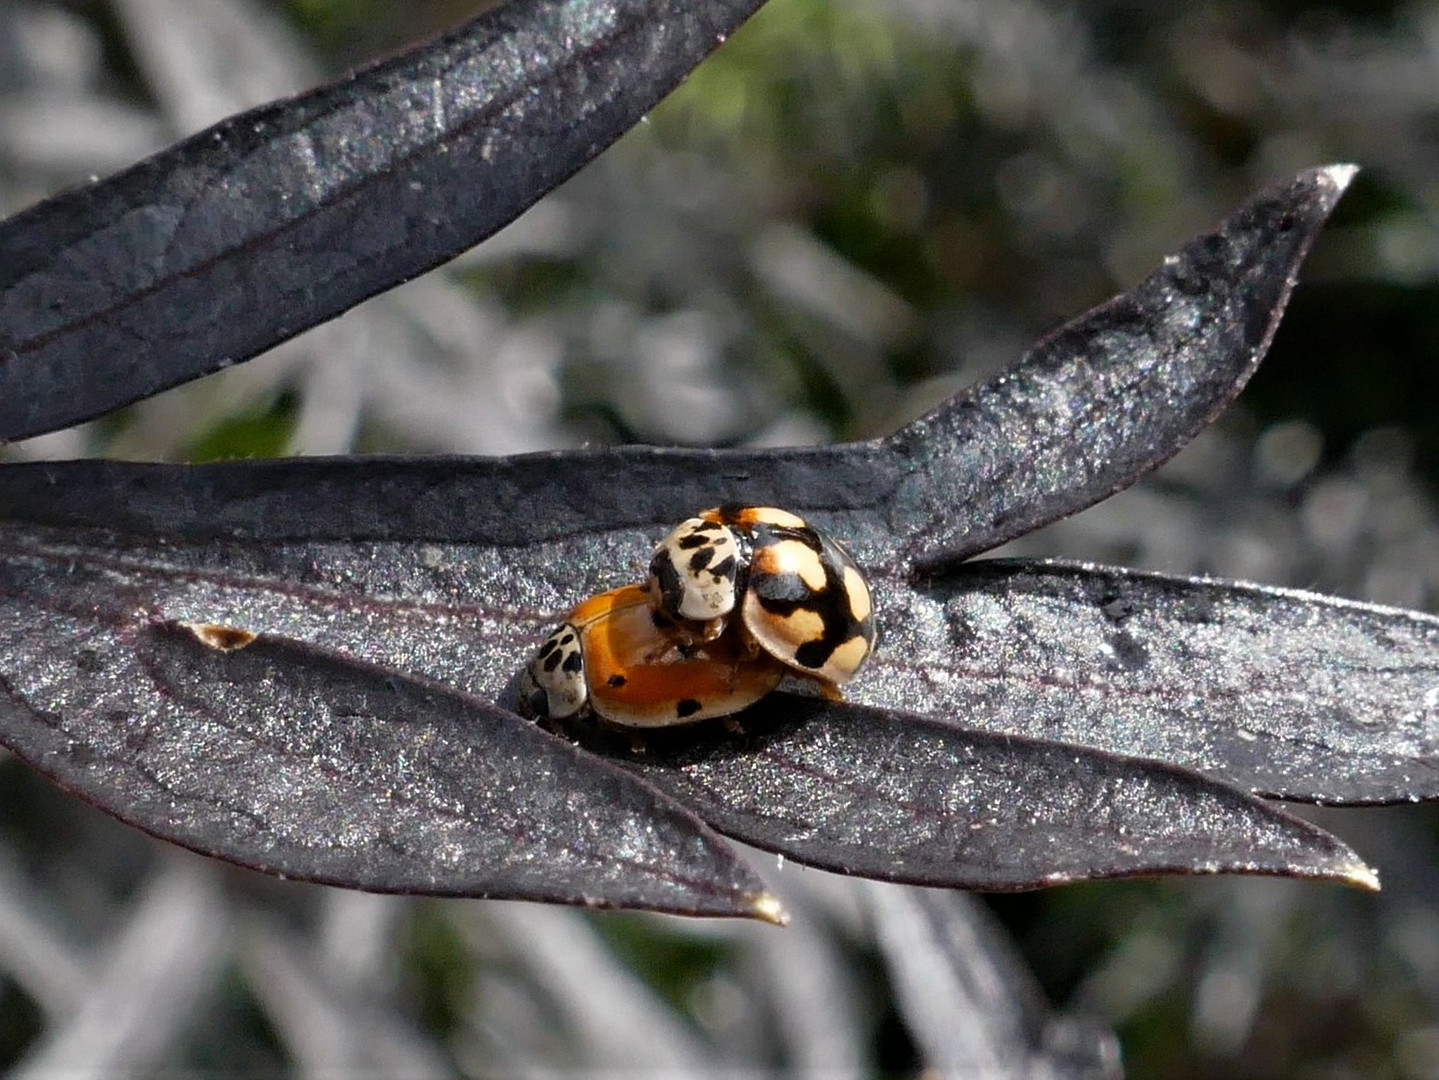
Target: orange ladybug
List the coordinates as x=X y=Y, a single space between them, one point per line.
x=619 y=659
x=800 y=595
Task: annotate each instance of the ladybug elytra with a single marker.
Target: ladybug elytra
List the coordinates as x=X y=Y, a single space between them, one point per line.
x=800 y=595
x=615 y=657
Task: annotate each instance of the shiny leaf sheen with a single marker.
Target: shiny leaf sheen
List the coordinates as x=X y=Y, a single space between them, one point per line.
x=277 y=219
x=451 y=569
x=890 y=795
x=275 y=755
x=1089 y=410
x=1283 y=692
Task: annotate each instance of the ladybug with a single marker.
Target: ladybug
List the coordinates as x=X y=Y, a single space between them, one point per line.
x=618 y=659
x=800 y=596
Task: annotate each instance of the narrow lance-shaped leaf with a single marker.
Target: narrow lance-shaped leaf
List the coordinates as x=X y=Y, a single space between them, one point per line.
x=1282 y=692
x=375 y=557
x=1286 y=693
x=1116 y=392
x=276 y=755
x=895 y=797
x=879 y=793
x=446 y=587
x=282 y=217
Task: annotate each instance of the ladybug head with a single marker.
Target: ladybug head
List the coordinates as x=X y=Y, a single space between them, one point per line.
x=552 y=686
x=695 y=571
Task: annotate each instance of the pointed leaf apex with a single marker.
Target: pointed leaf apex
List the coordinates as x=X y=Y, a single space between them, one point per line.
x=766 y=906
x=1360 y=875
x=1339 y=175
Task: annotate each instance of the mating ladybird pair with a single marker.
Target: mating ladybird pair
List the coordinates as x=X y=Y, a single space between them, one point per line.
x=736 y=599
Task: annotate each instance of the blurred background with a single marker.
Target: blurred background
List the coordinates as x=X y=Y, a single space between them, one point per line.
x=855 y=209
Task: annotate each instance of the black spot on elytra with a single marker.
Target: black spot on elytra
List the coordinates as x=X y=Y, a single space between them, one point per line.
x=574 y=663
x=667 y=581
x=813 y=654
x=784 y=594
x=616 y=681
x=766 y=534
x=687 y=707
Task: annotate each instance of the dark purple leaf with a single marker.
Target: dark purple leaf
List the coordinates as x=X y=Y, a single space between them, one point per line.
x=276 y=755
x=280 y=218
x=451 y=569
x=1286 y=693
x=1113 y=394
x=426 y=608
x=895 y=797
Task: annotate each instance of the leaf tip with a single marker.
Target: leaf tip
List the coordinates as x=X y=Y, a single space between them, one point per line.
x=1360 y=875
x=1339 y=175
x=766 y=906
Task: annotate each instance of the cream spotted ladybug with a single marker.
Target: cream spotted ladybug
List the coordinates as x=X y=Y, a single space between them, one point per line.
x=617 y=659
x=672 y=651
x=799 y=595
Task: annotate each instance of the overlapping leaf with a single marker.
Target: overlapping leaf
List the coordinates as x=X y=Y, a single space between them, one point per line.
x=1287 y=693
x=275 y=755
x=448 y=570
x=282 y=217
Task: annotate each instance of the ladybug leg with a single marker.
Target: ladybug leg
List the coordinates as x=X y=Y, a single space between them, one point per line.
x=752 y=647
x=638 y=746
x=827 y=690
x=733 y=726
x=668 y=650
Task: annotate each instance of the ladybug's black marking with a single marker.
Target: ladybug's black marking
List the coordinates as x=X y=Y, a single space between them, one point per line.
x=805 y=535
x=552 y=661
x=660 y=619
x=534 y=702
x=548 y=647
x=616 y=681
x=724 y=568
x=815 y=654
x=784 y=594
x=574 y=663
x=687 y=707
x=701 y=558
x=671 y=588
